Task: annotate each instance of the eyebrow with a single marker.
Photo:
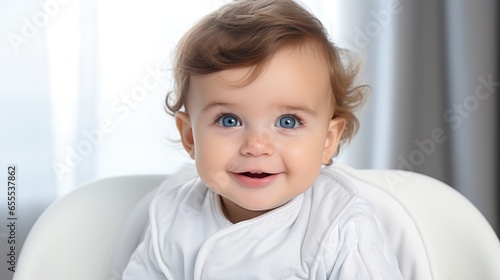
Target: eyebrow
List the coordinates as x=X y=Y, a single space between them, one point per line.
x=215 y=104
x=304 y=109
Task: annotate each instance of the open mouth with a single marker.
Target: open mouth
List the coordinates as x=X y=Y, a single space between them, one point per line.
x=255 y=179
x=257 y=175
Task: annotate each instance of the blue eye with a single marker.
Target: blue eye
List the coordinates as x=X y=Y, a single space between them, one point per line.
x=288 y=121
x=228 y=121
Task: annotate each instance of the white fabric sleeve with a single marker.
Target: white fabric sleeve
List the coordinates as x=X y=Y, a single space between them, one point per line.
x=363 y=248
x=143 y=264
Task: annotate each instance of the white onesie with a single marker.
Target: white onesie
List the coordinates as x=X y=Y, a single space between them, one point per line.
x=328 y=232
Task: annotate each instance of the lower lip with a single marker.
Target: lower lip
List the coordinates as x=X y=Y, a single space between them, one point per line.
x=255 y=182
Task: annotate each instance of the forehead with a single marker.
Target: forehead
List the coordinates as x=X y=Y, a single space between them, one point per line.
x=291 y=75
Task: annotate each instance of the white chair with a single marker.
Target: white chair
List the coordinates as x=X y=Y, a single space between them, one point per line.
x=436 y=232
x=90 y=233
x=74 y=237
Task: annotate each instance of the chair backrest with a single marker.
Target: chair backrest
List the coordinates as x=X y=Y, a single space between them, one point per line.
x=90 y=233
x=74 y=237
x=458 y=241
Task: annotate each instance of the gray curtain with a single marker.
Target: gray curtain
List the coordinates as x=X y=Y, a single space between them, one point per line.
x=434 y=105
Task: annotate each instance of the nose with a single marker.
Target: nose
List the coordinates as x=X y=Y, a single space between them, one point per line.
x=258 y=144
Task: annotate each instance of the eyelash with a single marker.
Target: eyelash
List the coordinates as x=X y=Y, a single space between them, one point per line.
x=222 y=114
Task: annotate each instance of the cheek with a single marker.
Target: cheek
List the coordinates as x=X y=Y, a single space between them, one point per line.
x=305 y=151
x=212 y=144
x=212 y=156
x=303 y=163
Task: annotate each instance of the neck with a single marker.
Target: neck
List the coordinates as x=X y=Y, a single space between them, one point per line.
x=235 y=213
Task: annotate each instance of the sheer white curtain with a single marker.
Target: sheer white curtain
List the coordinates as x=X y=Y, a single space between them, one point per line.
x=121 y=75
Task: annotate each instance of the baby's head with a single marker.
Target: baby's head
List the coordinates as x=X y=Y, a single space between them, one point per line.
x=262 y=101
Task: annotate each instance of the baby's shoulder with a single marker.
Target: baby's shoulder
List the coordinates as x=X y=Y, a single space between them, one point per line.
x=335 y=183
x=335 y=198
x=171 y=194
x=172 y=185
x=332 y=193
x=354 y=226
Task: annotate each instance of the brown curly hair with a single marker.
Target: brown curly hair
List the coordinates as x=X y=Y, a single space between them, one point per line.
x=248 y=33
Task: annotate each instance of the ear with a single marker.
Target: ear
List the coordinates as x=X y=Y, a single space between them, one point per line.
x=186 y=131
x=335 y=130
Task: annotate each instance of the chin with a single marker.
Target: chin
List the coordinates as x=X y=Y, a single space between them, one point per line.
x=261 y=208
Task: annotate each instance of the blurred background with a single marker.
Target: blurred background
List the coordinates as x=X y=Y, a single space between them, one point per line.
x=83 y=85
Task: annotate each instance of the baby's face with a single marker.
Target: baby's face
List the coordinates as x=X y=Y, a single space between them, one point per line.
x=261 y=144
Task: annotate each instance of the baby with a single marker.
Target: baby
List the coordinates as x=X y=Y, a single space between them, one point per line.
x=262 y=103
